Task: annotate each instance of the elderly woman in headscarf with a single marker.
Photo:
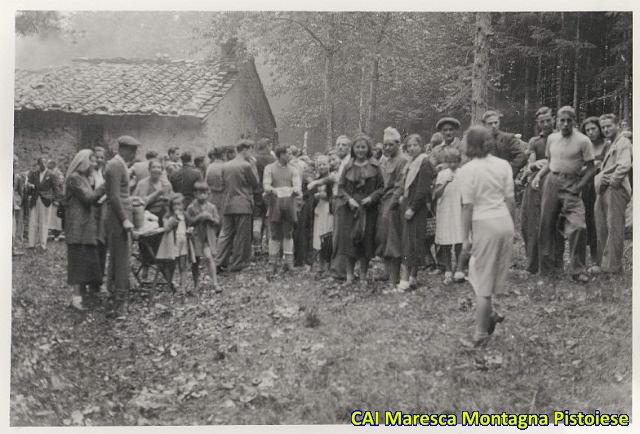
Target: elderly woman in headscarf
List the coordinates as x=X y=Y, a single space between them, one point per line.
x=81 y=228
x=359 y=190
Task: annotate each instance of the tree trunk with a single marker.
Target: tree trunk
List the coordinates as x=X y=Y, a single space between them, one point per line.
x=373 y=96
x=362 y=109
x=585 y=97
x=539 y=96
x=605 y=56
x=525 y=124
x=560 y=69
x=576 y=66
x=328 y=98
x=479 y=78
x=626 y=115
x=625 y=98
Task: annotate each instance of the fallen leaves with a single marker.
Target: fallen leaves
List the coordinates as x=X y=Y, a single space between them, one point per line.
x=266 y=353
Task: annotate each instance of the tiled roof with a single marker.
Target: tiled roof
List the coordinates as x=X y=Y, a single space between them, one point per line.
x=126 y=87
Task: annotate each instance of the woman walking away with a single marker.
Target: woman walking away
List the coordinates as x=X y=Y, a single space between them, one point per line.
x=359 y=190
x=81 y=228
x=449 y=216
x=591 y=128
x=415 y=202
x=488 y=205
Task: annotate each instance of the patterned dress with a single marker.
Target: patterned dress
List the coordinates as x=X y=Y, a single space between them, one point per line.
x=449 y=215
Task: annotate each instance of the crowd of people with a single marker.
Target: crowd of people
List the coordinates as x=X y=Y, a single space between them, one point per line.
x=446 y=206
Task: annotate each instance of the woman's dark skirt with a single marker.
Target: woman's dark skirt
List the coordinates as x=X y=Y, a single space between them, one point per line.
x=414 y=238
x=83 y=264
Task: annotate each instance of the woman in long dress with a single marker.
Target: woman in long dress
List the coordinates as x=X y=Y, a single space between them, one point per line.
x=486 y=183
x=359 y=190
x=415 y=200
x=83 y=262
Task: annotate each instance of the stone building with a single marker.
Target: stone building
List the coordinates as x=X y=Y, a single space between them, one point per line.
x=191 y=104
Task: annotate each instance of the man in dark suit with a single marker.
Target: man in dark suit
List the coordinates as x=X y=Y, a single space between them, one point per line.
x=240 y=181
x=183 y=179
x=42 y=191
x=118 y=221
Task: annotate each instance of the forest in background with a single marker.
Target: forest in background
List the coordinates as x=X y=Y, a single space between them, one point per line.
x=340 y=72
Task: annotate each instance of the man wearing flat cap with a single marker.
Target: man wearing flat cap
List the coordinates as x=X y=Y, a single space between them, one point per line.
x=119 y=221
x=448 y=127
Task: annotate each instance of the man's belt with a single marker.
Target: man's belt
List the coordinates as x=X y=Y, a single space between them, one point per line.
x=565 y=175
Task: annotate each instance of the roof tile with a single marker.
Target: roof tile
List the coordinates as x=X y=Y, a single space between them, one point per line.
x=126 y=86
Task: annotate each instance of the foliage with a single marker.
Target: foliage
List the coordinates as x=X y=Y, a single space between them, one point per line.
x=39 y=23
x=423 y=60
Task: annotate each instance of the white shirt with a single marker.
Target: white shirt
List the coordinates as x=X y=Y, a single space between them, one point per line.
x=486 y=183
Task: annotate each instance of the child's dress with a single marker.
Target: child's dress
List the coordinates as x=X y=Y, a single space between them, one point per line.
x=449 y=211
x=323 y=219
x=204 y=232
x=174 y=243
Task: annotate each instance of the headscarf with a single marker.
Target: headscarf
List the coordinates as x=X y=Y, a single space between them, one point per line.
x=80 y=163
x=412 y=170
x=391 y=134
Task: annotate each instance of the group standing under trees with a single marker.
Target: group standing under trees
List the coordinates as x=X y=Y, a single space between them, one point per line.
x=448 y=205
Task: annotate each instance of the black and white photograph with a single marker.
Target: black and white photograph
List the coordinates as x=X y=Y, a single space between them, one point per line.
x=360 y=218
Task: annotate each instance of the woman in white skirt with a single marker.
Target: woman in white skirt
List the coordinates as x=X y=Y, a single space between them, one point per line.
x=486 y=183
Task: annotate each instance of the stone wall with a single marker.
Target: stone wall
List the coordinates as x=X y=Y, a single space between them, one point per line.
x=50 y=135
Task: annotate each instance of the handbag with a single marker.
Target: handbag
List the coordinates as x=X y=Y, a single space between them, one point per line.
x=431 y=226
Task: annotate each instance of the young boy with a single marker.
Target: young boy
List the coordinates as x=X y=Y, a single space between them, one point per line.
x=281 y=184
x=203 y=221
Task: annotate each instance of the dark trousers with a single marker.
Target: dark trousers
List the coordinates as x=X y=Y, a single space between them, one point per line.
x=445 y=255
x=102 y=258
x=234 y=243
x=610 y=220
x=589 y=199
x=559 y=205
x=119 y=246
x=530 y=227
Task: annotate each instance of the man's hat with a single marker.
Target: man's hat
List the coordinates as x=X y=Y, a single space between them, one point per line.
x=127 y=141
x=447 y=120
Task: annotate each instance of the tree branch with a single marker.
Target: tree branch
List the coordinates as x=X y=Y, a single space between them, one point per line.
x=309 y=31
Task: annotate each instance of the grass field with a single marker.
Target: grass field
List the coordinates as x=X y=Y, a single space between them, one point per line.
x=300 y=350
